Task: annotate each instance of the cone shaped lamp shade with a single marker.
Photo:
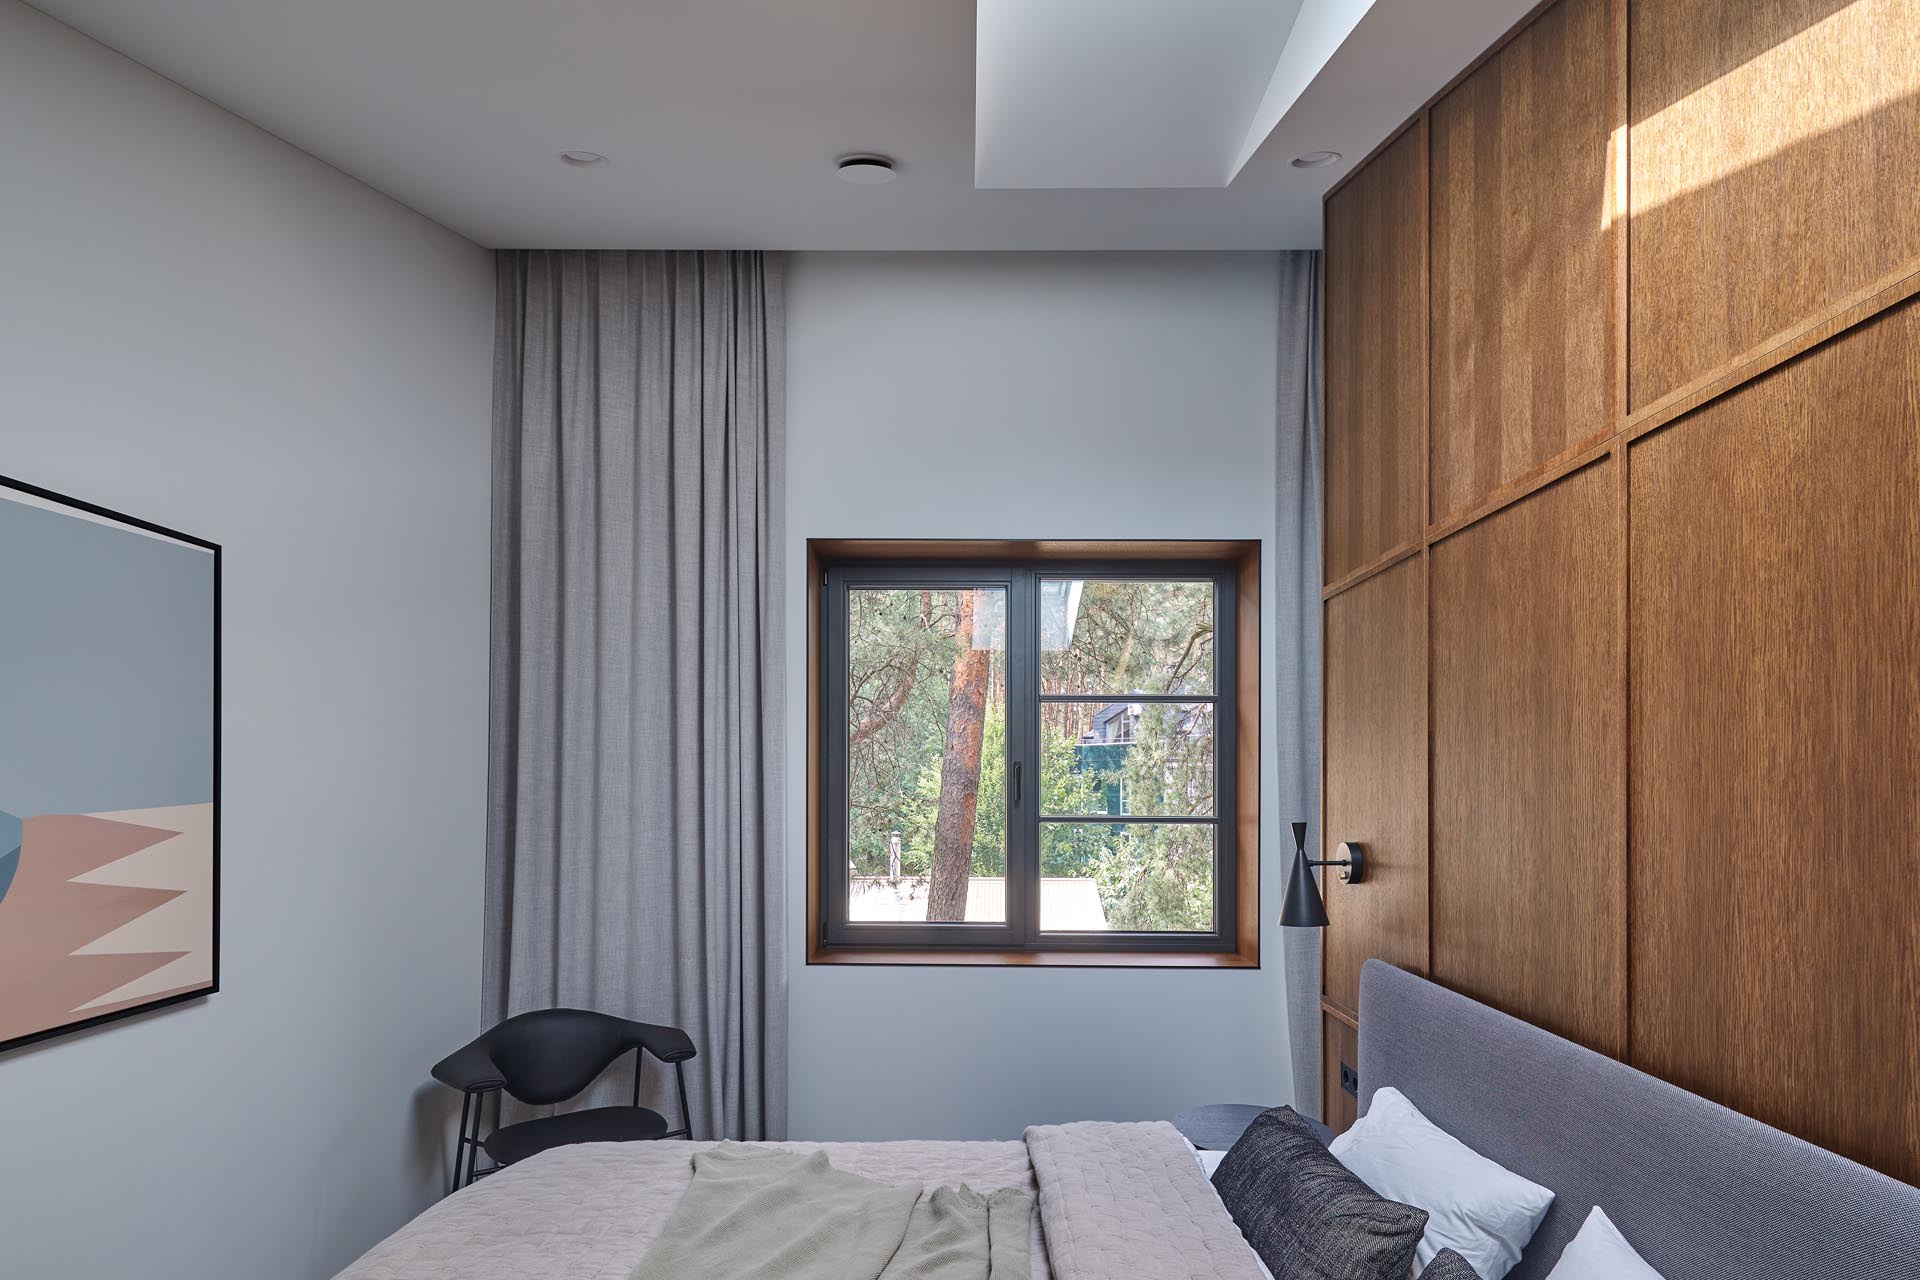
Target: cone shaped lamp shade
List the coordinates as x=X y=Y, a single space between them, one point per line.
x=1302 y=908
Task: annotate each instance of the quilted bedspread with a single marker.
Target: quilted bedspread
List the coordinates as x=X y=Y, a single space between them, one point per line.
x=1115 y=1200
x=1129 y=1200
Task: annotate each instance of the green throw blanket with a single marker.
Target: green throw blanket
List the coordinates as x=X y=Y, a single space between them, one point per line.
x=753 y=1213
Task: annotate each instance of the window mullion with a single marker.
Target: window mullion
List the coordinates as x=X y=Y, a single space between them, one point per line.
x=1023 y=692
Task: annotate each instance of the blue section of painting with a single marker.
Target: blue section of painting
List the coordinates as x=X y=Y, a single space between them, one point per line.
x=106 y=666
x=11 y=836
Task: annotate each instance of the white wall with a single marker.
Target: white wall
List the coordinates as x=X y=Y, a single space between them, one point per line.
x=1042 y=396
x=204 y=327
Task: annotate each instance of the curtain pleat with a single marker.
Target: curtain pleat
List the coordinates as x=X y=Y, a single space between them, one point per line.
x=1297 y=621
x=634 y=851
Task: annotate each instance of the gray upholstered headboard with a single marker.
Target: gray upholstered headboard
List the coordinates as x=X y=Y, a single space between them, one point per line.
x=1703 y=1193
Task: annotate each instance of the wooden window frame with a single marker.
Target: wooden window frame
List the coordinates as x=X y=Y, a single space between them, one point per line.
x=1236 y=943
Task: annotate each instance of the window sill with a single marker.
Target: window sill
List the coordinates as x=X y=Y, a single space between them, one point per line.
x=822 y=954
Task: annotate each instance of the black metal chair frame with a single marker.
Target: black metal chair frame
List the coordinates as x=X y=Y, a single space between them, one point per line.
x=472 y=1071
x=473 y=1103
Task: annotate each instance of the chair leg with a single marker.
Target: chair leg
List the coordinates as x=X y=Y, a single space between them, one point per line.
x=639 y=1068
x=473 y=1158
x=460 y=1141
x=686 y=1125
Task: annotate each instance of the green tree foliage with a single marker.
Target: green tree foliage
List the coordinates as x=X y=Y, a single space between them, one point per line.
x=900 y=656
x=1158 y=876
x=1125 y=636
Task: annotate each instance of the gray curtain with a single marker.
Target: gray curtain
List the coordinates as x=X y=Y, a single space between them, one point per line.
x=634 y=860
x=1297 y=622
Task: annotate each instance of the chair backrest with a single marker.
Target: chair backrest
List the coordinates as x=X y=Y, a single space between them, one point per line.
x=549 y=1055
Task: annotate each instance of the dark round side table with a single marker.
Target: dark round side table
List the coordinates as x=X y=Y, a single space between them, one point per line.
x=1215 y=1126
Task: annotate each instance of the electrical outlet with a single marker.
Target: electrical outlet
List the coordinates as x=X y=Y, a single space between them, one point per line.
x=1349 y=1080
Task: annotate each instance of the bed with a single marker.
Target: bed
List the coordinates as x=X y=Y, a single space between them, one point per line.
x=1706 y=1193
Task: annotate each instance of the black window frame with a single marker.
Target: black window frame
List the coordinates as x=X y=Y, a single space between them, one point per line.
x=1021 y=577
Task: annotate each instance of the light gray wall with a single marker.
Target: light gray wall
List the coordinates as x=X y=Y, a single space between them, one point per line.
x=204 y=327
x=1040 y=396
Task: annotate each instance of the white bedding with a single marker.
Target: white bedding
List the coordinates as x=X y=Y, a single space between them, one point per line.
x=1115 y=1200
x=591 y=1212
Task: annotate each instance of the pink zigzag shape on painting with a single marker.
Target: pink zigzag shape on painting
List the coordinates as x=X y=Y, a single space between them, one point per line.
x=46 y=917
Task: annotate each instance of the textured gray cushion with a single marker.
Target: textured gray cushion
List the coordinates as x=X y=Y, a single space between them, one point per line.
x=1448 y=1265
x=1703 y=1192
x=1304 y=1214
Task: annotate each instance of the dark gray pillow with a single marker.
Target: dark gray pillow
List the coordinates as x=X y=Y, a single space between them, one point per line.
x=1304 y=1214
x=1448 y=1265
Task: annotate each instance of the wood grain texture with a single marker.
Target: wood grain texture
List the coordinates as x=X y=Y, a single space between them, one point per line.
x=1761 y=943
x=1375 y=323
x=1375 y=659
x=815 y=746
x=824 y=549
x=1246 y=894
x=949 y=959
x=1526 y=733
x=1521 y=308
x=1774 y=149
x=1339 y=1043
x=1775 y=766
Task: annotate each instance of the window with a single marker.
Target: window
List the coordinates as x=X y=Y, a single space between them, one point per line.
x=1032 y=757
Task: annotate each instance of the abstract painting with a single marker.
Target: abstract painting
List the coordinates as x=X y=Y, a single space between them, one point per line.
x=109 y=765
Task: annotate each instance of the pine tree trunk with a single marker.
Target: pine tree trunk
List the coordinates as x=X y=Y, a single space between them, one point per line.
x=959 y=773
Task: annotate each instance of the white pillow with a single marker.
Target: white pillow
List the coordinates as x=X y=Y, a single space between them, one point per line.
x=1600 y=1252
x=1483 y=1212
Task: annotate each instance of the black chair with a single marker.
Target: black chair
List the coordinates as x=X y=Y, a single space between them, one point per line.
x=548 y=1056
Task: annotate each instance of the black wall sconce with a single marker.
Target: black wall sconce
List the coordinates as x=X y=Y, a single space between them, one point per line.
x=1302 y=907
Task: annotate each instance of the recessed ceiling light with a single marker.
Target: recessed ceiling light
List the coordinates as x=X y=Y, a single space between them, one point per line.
x=1315 y=159
x=867 y=170
x=583 y=159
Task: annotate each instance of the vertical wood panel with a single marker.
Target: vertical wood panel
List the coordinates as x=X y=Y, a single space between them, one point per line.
x=1375 y=656
x=1339 y=1043
x=1774 y=152
x=1523 y=256
x=1375 y=318
x=1776 y=758
x=1526 y=733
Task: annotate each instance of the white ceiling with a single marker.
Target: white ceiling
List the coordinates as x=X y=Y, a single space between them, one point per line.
x=1103 y=124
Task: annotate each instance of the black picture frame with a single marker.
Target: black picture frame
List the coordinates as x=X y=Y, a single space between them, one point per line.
x=96 y=510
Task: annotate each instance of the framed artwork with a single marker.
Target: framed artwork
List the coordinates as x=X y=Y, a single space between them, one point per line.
x=109 y=765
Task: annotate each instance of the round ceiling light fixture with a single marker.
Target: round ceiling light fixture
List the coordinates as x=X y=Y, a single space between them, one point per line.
x=583 y=159
x=1315 y=159
x=866 y=169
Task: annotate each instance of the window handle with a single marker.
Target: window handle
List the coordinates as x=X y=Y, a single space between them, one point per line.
x=1015 y=784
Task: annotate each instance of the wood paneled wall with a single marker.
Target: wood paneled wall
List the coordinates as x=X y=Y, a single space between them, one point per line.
x=1376 y=317
x=1340 y=1045
x=1622 y=568
x=1524 y=346
x=1376 y=773
x=1528 y=876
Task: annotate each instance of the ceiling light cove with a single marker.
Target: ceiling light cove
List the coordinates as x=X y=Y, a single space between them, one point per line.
x=583 y=159
x=1120 y=93
x=1316 y=160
